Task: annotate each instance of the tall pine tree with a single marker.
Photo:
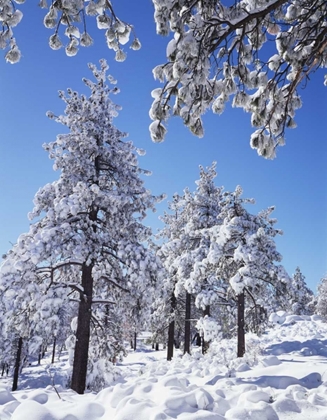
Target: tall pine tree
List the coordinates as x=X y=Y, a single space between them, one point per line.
x=89 y=220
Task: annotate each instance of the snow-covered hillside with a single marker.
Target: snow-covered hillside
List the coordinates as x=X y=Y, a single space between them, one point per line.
x=281 y=377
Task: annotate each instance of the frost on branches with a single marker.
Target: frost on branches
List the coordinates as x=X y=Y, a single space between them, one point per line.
x=87 y=237
x=218 y=252
x=67 y=20
x=302 y=300
x=223 y=51
x=321 y=308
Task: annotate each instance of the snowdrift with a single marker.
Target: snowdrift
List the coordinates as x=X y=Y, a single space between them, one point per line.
x=282 y=376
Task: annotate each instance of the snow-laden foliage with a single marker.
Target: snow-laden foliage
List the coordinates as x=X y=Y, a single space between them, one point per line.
x=87 y=236
x=216 y=250
x=183 y=246
x=302 y=300
x=256 y=53
x=321 y=307
x=67 y=19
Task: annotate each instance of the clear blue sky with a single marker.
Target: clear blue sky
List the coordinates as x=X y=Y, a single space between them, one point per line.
x=295 y=182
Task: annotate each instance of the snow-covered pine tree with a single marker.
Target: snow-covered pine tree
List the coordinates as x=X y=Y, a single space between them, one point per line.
x=167 y=309
x=242 y=252
x=321 y=308
x=21 y=296
x=302 y=297
x=89 y=220
x=223 y=50
x=185 y=244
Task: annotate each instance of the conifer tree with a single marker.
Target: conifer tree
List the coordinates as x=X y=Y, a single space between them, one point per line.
x=321 y=308
x=89 y=221
x=302 y=297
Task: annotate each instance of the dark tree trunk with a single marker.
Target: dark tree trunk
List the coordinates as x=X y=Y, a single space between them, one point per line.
x=205 y=344
x=187 y=332
x=54 y=349
x=3 y=369
x=134 y=344
x=157 y=346
x=240 y=325
x=40 y=356
x=17 y=363
x=171 y=329
x=83 y=332
x=171 y=334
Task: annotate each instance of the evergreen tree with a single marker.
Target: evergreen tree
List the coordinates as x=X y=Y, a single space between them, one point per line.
x=226 y=258
x=89 y=221
x=301 y=296
x=321 y=308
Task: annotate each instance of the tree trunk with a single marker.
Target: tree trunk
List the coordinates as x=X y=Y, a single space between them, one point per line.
x=40 y=355
x=187 y=332
x=83 y=332
x=54 y=349
x=205 y=344
x=3 y=368
x=17 y=363
x=171 y=329
x=157 y=346
x=134 y=344
x=240 y=325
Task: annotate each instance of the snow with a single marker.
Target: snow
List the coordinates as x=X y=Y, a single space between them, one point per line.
x=282 y=376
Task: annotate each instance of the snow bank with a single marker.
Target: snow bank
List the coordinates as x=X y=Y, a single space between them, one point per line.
x=283 y=376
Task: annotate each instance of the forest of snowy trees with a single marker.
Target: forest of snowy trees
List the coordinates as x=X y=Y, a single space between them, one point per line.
x=89 y=275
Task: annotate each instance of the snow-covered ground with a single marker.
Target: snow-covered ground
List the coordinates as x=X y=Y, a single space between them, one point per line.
x=283 y=376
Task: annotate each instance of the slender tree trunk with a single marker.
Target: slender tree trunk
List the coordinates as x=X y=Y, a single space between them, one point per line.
x=170 y=346
x=240 y=325
x=134 y=344
x=40 y=355
x=205 y=344
x=171 y=328
x=3 y=368
x=83 y=332
x=54 y=349
x=157 y=346
x=17 y=363
x=187 y=333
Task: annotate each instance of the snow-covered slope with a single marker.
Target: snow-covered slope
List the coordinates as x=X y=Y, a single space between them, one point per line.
x=282 y=377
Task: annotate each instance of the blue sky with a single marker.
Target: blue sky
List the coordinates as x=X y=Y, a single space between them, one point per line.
x=295 y=182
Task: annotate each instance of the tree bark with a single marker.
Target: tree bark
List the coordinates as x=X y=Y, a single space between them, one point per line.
x=171 y=328
x=187 y=332
x=40 y=355
x=83 y=332
x=157 y=346
x=205 y=344
x=134 y=344
x=17 y=363
x=54 y=349
x=240 y=325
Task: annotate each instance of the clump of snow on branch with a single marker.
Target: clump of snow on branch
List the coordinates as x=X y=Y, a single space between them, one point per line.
x=222 y=52
x=68 y=21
